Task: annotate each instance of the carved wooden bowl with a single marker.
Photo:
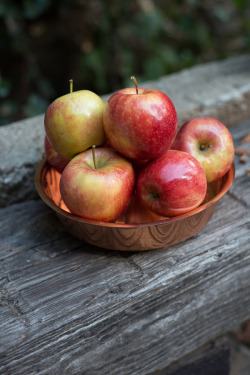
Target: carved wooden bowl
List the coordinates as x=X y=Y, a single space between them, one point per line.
x=138 y=228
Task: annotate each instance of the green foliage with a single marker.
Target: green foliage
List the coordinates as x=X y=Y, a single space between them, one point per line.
x=33 y=9
x=101 y=43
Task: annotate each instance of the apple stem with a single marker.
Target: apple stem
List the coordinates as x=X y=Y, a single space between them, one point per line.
x=71 y=85
x=93 y=154
x=136 y=84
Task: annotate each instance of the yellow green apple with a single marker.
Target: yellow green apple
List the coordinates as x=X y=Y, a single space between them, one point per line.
x=73 y=123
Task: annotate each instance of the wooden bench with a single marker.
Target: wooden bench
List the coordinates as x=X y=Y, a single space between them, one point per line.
x=70 y=308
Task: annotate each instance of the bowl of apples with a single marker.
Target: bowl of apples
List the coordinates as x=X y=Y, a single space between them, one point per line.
x=121 y=176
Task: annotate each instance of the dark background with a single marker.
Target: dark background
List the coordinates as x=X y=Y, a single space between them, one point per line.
x=100 y=44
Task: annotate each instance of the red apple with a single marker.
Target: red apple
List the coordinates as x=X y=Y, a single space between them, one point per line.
x=73 y=122
x=140 y=123
x=54 y=159
x=210 y=142
x=173 y=184
x=99 y=187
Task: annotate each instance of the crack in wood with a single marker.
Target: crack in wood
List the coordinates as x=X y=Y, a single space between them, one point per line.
x=237 y=199
x=136 y=266
x=13 y=304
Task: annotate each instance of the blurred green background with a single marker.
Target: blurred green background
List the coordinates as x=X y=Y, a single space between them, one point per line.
x=100 y=44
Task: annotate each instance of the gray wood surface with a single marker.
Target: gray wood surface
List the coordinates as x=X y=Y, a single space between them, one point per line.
x=69 y=308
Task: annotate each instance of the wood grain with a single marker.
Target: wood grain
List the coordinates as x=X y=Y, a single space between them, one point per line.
x=72 y=308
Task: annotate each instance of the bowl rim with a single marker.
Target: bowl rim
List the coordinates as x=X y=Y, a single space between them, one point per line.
x=228 y=177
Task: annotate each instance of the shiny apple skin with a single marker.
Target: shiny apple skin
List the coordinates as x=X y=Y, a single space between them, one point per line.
x=218 y=157
x=73 y=123
x=140 y=126
x=172 y=185
x=103 y=193
x=54 y=159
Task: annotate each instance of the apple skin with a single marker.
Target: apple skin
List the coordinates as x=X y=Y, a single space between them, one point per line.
x=103 y=193
x=217 y=158
x=172 y=185
x=54 y=159
x=73 y=123
x=140 y=126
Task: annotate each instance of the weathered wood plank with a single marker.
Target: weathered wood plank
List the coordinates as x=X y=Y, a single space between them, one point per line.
x=70 y=308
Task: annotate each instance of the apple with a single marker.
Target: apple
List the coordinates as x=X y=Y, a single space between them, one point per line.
x=73 y=122
x=210 y=142
x=173 y=184
x=140 y=123
x=98 y=184
x=54 y=159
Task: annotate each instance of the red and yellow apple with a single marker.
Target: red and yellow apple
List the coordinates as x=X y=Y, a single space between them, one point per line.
x=54 y=159
x=173 y=184
x=73 y=123
x=140 y=123
x=210 y=142
x=98 y=186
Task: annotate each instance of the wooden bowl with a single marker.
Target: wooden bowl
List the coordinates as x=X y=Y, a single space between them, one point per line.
x=138 y=228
